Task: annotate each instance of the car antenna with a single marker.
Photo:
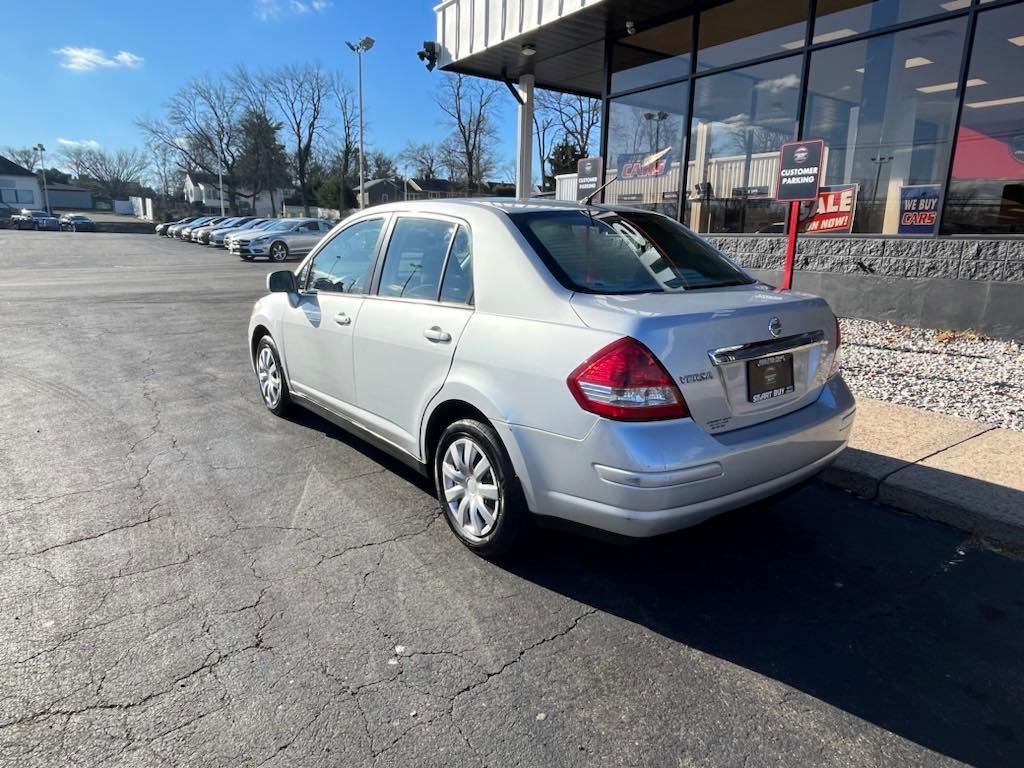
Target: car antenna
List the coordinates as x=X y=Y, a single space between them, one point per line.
x=651 y=159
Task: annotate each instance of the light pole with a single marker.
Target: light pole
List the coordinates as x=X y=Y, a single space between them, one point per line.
x=879 y=161
x=359 y=49
x=42 y=165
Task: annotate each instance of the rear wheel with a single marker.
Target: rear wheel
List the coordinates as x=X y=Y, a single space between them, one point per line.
x=278 y=252
x=273 y=386
x=477 y=488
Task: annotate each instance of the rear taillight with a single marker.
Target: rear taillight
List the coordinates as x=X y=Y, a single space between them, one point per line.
x=624 y=381
x=834 y=369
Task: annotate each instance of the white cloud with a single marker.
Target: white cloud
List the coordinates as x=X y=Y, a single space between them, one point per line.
x=88 y=59
x=267 y=10
x=84 y=143
x=779 y=84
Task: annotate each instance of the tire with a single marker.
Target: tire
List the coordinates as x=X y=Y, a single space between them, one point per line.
x=469 y=442
x=278 y=252
x=270 y=375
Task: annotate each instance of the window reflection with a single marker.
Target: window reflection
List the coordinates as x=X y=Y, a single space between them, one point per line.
x=645 y=145
x=652 y=55
x=986 y=193
x=885 y=108
x=835 y=19
x=748 y=29
x=740 y=119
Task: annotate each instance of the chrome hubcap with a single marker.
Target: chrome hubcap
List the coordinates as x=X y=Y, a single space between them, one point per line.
x=270 y=377
x=470 y=489
x=278 y=252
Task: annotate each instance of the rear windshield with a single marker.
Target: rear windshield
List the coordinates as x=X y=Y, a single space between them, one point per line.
x=612 y=252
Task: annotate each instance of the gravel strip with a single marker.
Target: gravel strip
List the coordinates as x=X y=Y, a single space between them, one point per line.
x=960 y=374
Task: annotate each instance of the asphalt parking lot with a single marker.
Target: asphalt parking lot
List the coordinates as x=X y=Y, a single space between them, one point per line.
x=186 y=580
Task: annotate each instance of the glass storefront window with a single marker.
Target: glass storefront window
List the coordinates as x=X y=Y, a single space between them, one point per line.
x=749 y=29
x=652 y=55
x=740 y=118
x=836 y=19
x=986 y=193
x=886 y=107
x=645 y=145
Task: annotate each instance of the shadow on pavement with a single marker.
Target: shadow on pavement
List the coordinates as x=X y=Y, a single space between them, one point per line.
x=894 y=619
x=885 y=616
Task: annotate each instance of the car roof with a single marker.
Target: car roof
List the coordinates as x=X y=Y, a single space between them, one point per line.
x=497 y=204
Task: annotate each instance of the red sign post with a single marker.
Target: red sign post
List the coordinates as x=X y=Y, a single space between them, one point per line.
x=798 y=180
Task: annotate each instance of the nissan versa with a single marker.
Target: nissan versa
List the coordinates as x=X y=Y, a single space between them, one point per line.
x=591 y=363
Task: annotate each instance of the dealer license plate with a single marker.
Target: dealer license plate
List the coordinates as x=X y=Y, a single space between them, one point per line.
x=769 y=377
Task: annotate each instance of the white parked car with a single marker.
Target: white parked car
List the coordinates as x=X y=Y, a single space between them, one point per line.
x=601 y=365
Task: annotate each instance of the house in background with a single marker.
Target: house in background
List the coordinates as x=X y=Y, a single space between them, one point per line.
x=202 y=190
x=382 y=191
x=433 y=189
x=69 y=197
x=19 y=187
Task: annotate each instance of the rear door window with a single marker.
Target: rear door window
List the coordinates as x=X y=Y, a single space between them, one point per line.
x=415 y=258
x=457 y=285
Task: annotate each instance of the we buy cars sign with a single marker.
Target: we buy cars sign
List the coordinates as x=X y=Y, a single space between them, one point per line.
x=799 y=170
x=834 y=211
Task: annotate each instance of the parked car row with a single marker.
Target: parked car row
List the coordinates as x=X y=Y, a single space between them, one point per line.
x=46 y=221
x=250 y=237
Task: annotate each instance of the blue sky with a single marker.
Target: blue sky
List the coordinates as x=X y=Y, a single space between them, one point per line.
x=85 y=71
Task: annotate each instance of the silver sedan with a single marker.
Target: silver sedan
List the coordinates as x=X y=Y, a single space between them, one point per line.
x=601 y=365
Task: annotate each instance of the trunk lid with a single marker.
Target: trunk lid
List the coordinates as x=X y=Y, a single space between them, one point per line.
x=709 y=339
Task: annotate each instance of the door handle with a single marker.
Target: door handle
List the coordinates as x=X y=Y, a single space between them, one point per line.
x=436 y=334
x=342 y=319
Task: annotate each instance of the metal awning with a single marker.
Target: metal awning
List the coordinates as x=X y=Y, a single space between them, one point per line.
x=486 y=37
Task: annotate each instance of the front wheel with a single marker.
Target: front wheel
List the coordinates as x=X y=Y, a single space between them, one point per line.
x=477 y=488
x=273 y=386
x=278 y=252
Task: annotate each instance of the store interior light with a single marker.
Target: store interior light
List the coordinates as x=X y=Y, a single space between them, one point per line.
x=955 y=5
x=824 y=37
x=916 y=61
x=861 y=70
x=974 y=81
x=1018 y=40
x=995 y=102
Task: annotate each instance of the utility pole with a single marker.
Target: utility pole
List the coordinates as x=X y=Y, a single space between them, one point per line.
x=359 y=49
x=42 y=165
x=220 y=182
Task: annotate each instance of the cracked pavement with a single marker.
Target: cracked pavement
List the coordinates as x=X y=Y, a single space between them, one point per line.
x=186 y=580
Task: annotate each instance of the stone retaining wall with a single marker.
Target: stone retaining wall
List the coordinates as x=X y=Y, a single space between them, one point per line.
x=929 y=283
x=952 y=259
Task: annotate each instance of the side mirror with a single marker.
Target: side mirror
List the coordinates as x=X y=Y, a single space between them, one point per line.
x=282 y=281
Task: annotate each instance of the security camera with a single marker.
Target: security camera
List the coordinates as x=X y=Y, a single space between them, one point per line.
x=428 y=54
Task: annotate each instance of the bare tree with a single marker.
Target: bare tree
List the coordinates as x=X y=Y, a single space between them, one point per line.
x=203 y=126
x=165 y=175
x=348 y=129
x=115 y=174
x=544 y=123
x=468 y=103
x=423 y=160
x=73 y=158
x=578 y=116
x=300 y=95
x=26 y=157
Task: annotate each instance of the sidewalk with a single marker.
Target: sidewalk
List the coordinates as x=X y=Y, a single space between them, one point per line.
x=960 y=472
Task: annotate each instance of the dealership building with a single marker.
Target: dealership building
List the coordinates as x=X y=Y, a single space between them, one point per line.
x=920 y=104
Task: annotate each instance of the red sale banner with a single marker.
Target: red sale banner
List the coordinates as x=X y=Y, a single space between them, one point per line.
x=834 y=212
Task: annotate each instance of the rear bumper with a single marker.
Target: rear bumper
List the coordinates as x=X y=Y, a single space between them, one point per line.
x=645 y=479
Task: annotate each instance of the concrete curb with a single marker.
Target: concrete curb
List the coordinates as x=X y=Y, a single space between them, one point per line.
x=958 y=472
